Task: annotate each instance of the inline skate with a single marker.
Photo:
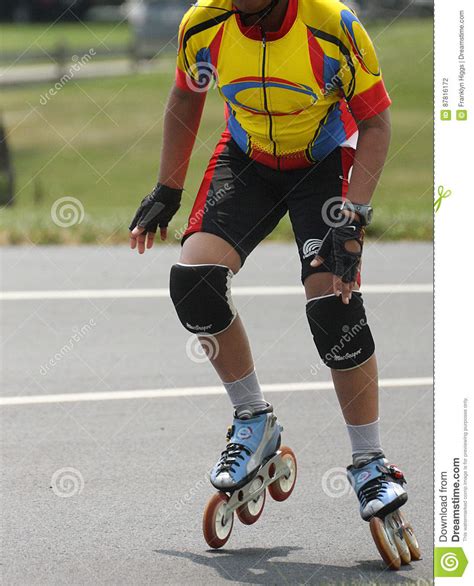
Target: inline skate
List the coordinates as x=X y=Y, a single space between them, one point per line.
x=379 y=488
x=251 y=462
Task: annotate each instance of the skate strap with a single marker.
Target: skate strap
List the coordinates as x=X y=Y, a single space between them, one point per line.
x=375 y=470
x=394 y=472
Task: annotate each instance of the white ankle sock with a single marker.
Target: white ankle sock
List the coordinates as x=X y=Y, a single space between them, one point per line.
x=246 y=394
x=365 y=440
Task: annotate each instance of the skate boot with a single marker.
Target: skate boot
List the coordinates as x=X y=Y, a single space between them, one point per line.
x=379 y=488
x=251 y=462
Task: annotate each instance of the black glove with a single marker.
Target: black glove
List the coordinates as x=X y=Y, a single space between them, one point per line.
x=337 y=258
x=157 y=209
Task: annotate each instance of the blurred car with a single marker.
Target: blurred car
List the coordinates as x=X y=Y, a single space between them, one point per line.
x=154 y=24
x=43 y=10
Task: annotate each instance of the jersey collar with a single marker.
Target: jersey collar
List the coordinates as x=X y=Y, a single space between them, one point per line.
x=253 y=32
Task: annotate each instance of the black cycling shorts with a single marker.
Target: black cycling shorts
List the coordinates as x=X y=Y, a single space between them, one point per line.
x=242 y=200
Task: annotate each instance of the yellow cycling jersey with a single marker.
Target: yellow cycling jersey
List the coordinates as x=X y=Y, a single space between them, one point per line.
x=293 y=95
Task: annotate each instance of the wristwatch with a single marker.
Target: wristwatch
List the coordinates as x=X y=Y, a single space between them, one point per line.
x=364 y=211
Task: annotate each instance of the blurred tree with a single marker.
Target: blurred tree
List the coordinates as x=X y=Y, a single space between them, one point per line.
x=6 y=170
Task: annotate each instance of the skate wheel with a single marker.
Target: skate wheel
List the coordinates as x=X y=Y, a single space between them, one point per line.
x=394 y=526
x=385 y=544
x=402 y=546
x=410 y=539
x=249 y=513
x=281 y=489
x=215 y=525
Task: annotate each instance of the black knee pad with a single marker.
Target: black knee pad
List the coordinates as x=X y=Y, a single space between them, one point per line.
x=340 y=331
x=201 y=296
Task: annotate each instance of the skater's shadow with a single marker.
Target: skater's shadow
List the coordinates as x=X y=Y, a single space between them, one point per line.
x=258 y=566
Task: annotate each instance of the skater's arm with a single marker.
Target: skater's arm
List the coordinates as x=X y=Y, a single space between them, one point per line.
x=371 y=153
x=181 y=125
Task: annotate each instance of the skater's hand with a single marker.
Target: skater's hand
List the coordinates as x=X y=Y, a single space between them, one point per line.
x=341 y=253
x=156 y=209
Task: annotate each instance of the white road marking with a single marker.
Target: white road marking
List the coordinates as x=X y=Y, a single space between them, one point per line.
x=195 y=392
x=160 y=293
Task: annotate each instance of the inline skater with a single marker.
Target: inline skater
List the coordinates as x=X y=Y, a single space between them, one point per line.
x=307 y=125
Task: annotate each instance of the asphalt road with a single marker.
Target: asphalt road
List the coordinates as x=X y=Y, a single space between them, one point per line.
x=111 y=491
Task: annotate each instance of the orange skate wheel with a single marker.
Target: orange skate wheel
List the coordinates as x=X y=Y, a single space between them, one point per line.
x=249 y=513
x=385 y=544
x=216 y=525
x=281 y=489
x=410 y=539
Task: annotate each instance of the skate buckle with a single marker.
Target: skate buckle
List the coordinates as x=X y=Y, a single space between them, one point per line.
x=396 y=473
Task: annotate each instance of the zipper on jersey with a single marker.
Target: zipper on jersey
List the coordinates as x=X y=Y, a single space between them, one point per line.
x=265 y=96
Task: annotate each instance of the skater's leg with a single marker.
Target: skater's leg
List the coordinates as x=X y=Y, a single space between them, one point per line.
x=234 y=360
x=201 y=280
x=356 y=388
x=357 y=391
x=230 y=352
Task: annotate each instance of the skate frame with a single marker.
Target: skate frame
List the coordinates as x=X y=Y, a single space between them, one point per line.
x=273 y=469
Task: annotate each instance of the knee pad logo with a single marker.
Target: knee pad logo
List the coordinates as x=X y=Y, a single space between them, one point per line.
x=198 y=329
x=311 y=247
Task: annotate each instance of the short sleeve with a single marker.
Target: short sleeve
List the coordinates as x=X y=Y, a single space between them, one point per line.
x=360 y=73
x=185 y=63
x=194 y=69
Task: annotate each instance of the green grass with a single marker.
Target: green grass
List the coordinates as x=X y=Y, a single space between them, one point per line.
x=20 y=38
x=99 y=141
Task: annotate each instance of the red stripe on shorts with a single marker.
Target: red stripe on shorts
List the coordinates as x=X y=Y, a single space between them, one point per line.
x=197 y=213
x=347 y=159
